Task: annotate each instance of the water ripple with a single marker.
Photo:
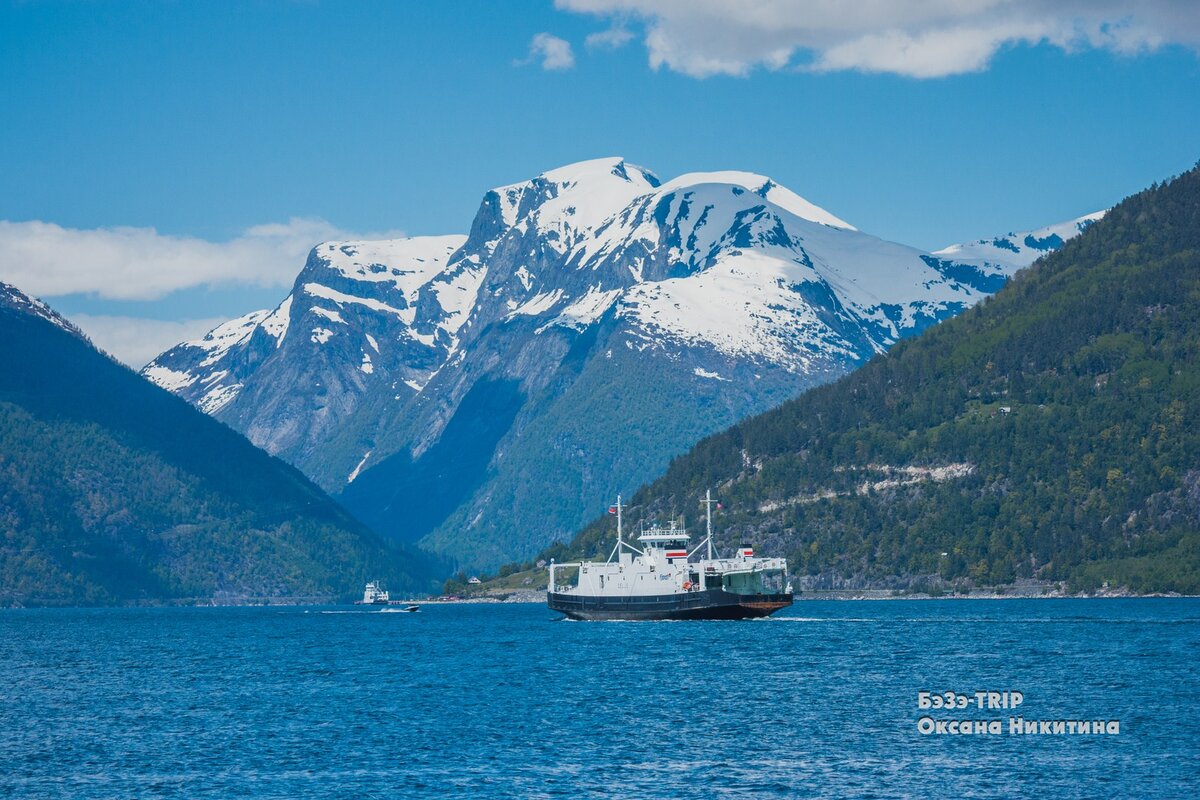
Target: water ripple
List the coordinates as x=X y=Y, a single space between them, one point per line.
x=495 y=701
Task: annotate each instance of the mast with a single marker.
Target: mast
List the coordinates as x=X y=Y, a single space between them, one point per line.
x=616 y=551
x=708 y=501
x=619 y=539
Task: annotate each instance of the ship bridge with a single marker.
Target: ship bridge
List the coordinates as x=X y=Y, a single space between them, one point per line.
x=659 y=537
x=665 y=545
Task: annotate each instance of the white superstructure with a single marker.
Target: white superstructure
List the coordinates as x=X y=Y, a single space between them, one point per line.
x=375 y=596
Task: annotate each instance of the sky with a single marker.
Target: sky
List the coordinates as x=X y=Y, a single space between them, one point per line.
x=167 y=165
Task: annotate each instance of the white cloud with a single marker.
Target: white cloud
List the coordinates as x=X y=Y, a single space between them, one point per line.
x=915 y=38
x=47 y=260
x=611 y=39
x=551 y=51
x=136 y=341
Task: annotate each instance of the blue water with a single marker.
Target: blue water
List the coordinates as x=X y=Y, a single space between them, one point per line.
x=503 y=701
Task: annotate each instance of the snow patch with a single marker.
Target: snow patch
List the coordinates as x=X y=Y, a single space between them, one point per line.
x=332 y=316
x=318 y=290
x=218 y=398
x=538 y=304
x=222 y=338
x=277 y=324
x=457 y=294
x=586 y=310
x=427 y=339
x=169 y=379
x=737 y=308
x=358 y=467
x=524 y=276
x=703 y=373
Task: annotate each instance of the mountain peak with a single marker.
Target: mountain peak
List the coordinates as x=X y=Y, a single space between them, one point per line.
x=13 y=299
x=577 y=196
x=764 y=187
x=600 y=169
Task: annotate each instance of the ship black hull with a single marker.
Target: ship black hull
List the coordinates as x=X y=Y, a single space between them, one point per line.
x=710 y=604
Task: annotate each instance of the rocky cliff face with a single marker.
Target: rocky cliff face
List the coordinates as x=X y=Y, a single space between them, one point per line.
x=483 y=394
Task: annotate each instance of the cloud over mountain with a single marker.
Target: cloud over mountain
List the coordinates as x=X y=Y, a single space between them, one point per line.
x=136 y=340
x=127 y=263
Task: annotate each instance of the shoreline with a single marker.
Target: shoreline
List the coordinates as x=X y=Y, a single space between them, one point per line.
x=873 y=595
x=527 y=597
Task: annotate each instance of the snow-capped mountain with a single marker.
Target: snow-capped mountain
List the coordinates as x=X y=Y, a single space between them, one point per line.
x=988 y=263
x=486 y=393
x=361 y=315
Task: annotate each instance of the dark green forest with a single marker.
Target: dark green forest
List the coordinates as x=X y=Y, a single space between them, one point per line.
x=1050 y=433
x=113 y=490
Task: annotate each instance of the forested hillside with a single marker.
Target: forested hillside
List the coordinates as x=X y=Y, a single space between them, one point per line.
x=1052 y=432
x=113 y=490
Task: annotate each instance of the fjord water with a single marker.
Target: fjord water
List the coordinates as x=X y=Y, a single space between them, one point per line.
x=506 y=701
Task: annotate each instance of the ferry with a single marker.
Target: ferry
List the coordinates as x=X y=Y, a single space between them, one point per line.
x=662 y=579
x=373 y=595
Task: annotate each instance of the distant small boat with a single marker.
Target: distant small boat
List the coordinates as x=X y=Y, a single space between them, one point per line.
x=373 y=596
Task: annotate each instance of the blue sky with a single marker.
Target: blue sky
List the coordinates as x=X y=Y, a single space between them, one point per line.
x=208 y=121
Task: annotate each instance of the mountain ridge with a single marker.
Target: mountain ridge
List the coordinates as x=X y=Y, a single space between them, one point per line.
x=734 y=292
